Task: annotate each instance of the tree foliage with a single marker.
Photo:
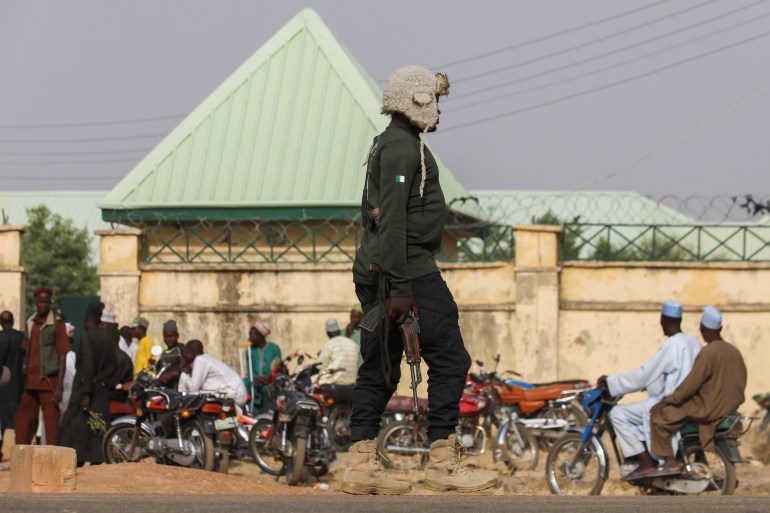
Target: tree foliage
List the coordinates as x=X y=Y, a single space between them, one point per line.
x=57 y=254
x=570 y=245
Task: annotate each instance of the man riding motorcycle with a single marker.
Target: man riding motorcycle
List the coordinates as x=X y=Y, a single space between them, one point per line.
x=660 y=375
x=714 y=388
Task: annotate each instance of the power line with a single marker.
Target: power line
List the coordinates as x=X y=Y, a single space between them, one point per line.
x=83 y=139
x=703 y=125
x=599 y=70
x=551 y=36
x=68 y=153
x=608 y=53
x=583 y=45
x=95 y=123
x=610 y=85
x=64 y=163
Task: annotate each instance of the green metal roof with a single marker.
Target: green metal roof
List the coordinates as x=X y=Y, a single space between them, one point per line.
x=79 y=206
x=290 y=128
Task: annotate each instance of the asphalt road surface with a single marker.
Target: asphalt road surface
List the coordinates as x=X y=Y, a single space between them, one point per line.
x=455 y=503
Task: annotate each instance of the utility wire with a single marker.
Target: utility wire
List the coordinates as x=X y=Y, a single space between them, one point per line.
x=83 y=139
x=583 y=45
x=600 y=70
x=608 y=53
x=94 y=123
x=703 y=125
x=551 y=36
x=68 y=153
x=66 y=162
x=610 y=85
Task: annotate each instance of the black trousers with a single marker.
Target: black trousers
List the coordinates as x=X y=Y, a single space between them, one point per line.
x=442 y=349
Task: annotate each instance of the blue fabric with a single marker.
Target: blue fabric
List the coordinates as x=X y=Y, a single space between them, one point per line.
x=712 y=318
x=672 y=309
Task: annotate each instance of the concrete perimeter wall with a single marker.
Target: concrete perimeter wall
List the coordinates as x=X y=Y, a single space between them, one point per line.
x=548 y=319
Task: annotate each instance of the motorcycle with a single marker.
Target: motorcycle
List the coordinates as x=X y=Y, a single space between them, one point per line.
x=338 y=400
x=175 y=428
x=578 y=463
x=295 y=440
x=528 y=417
x=405 y=442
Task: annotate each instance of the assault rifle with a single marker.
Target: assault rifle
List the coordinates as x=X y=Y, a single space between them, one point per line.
x=410 y=335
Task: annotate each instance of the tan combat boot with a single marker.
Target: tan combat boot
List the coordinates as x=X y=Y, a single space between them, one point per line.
x=446 y=472
x=364 y=474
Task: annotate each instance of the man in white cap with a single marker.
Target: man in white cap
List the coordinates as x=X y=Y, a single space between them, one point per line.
x=261 y=357
x=340 y=354
x=660 y=375
x=713 y=389
x=403 y=215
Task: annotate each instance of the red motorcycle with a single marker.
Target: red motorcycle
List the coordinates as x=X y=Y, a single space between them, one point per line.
x=404 y=442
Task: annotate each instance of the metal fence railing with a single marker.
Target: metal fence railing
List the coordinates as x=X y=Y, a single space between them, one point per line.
x=639 y=242
x=328 y=242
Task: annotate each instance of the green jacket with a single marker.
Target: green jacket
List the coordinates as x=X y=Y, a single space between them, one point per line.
x=409 y=228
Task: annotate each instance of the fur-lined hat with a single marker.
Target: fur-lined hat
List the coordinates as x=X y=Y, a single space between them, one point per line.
x=413 y=91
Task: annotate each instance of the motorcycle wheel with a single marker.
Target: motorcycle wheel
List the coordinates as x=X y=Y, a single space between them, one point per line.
x=584 y=479
x=404 y=434
x=259 y=448
x=117 y=442
x=723 y=470
x=223 y=462
x=204 y=445
x=339 y=419
x=520 y=450
x=295 y=467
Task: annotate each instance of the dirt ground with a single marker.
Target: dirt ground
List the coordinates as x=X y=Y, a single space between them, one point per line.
x=245 y=478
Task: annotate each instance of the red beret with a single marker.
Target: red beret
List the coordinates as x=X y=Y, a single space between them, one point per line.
x=43 y=290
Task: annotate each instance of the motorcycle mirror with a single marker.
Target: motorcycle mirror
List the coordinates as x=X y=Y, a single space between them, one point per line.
x=156 y=351
x=300 y=359
x=497 y=358
x=479 y=363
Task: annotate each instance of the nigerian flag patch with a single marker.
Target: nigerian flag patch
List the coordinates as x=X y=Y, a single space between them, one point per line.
x=400 y=178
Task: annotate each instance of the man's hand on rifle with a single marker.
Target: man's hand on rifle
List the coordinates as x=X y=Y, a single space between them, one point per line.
x=399 y=306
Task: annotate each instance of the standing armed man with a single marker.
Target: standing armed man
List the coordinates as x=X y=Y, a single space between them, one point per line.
x=403 y=212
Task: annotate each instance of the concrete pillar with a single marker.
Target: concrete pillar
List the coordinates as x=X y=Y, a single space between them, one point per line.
x=42 y=469
x=12 y=273
x=119 y=257
x=537 y=300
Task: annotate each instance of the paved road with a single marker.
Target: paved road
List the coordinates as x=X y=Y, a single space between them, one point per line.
x=12 y=503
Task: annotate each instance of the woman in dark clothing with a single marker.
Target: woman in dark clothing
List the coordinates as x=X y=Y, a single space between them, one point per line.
x=95 y=364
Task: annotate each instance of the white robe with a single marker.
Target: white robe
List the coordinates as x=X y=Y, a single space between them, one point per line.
x=660 y=375
x=210 y=375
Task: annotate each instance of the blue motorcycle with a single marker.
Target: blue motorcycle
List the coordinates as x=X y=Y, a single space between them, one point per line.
x=578 y=462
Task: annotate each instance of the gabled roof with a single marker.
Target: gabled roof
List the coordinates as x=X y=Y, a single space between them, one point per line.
x=285 y=135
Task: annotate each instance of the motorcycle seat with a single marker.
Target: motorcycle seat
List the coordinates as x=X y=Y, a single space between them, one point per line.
x=692 y=427
x=544 y=393
x=564 y=382
x=404 y=404
x=340 y=393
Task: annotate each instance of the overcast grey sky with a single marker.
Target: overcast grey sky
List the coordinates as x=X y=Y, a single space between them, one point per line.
x=80 y=61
